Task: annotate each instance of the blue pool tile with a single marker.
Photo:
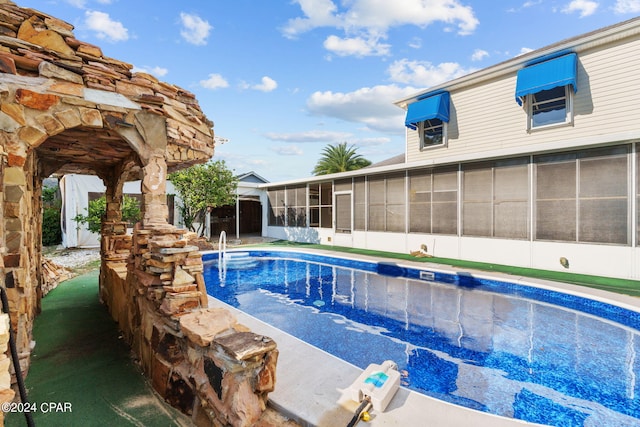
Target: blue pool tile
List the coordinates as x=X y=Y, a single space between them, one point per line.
x=484 y=344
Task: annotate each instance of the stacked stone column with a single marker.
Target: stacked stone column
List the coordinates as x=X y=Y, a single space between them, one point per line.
x=22 y=246
x=199 y=360
x=6 y=392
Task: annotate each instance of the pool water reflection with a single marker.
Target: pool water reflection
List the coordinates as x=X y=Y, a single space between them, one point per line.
x=515 y=353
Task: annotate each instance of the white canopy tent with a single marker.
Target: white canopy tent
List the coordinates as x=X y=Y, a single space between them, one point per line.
x=75 y=191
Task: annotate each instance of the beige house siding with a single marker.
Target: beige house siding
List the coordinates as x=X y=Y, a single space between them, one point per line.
x=486 y=121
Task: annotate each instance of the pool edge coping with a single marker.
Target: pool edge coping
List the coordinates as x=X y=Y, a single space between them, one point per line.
x=618 y=299
x=329 y=405
x=448 y=414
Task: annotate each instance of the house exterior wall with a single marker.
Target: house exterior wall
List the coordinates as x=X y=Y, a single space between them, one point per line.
x=488 y=125
x=487 y=122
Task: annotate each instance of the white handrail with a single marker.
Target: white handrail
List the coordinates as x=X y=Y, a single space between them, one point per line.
x=222 y=257
x=222 y=245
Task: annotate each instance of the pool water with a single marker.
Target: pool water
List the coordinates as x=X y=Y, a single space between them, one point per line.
x=502 y=348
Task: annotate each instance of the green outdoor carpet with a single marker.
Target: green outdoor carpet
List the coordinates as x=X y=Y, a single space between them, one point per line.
x=82 y=366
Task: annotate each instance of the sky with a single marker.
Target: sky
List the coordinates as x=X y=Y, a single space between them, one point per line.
x=283 y=79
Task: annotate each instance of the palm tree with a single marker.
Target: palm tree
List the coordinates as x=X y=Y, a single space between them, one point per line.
x=339 y=158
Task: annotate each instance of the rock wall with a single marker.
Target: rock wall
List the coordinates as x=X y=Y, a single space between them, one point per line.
x=6 y=393
x=200 y=360
x=66 y=108
x=41 y=51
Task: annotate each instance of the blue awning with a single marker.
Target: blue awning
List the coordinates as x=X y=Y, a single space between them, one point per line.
x=432 y=107
x=546 y=75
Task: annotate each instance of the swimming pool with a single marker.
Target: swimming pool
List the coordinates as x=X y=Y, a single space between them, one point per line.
x=507 y=349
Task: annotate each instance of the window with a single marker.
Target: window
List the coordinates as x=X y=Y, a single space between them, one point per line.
x=296 y=206
x=511 y=199
x=433 y=201
x=320 y=205
x=276 y=207
x=477 y=198
x=433 y=133
x=343 y=212
x=376 y=203
x=496 y=199
x=359 y=204
x=395 y=210
x=556 y=198
x=445 y=202
x=583 y=197
x=420 y=201
x=387 y=203
x=546 y=88
x=343 y=205
x=429 y=116
x=549 y=107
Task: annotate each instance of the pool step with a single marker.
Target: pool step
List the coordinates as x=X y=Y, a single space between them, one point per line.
x=239 y=260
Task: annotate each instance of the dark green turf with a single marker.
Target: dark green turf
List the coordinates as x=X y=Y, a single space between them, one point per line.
x=80 y=360
x=623 y=286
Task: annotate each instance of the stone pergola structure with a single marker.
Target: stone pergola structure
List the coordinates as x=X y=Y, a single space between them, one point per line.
x=66 y=108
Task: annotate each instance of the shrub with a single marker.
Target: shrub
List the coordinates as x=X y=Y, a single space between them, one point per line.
x=51 y=231
x=98 y=208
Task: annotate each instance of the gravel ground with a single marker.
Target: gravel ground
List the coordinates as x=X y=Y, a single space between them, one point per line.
x=74 y=258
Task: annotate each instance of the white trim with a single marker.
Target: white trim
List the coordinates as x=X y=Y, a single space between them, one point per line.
x=547 y=147
x=634 y=198
x=444 y=134
x=576 y=44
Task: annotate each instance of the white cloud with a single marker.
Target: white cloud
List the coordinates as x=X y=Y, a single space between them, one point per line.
x=524 y=50
x=385 y=14
x=356 y=46
x=415 y=43
x=156 y=71
x=256 y=162
x=309 y=136
x=239 y=161
x=287 y=150
x=585 y=7
x=323 y=136
x=479 y=55
x=627 y=6
x=371 y=106
x=77 y=3
x=195 y=29
x=105 y=27
x=318 y=13
x=215 y=81
x=423 y=73
x=267 y=85
x=525 y=5
x=374 y=18
x=81 y=4
x=370 y=142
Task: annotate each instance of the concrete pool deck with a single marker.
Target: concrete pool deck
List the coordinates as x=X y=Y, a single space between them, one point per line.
x=311 y=384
